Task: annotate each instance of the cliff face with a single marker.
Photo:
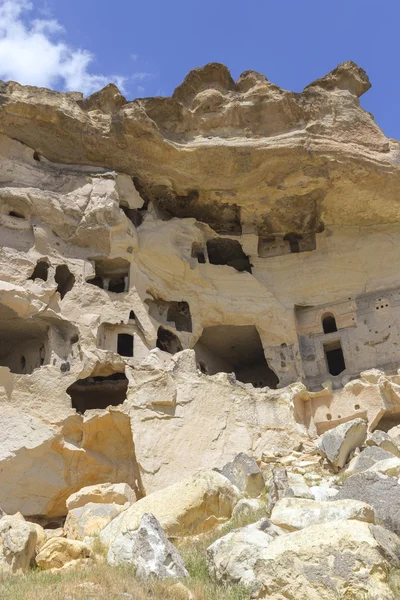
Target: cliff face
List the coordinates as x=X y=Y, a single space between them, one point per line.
x=169 y=265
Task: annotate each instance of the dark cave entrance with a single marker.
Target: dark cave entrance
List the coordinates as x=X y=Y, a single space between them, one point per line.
x=125 y=344
x=111 y=275
x=334 y=358
x=98 y=392
x=64 y=279
x=41 y=270
x=329 y=323
x=223 y=251
x=168 y=341
x=238 y=349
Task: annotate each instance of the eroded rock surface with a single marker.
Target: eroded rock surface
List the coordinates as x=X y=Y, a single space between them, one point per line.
x=172 y=290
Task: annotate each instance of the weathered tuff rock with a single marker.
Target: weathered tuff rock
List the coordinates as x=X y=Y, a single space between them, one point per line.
x=17 y=545
x=104 y=493
x=338 y=443
x=379 y=491
x=367 y=458
x=189 y=507
x=148 y=550
x=245 y=474
x=384 y=441
x=292 y=514
x=333 y=560
x=216 y=223
x=232 y=557
x=59 y=552
x=90 y=519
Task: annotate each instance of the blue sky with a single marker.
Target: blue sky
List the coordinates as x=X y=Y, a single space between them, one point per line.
x=148 y=46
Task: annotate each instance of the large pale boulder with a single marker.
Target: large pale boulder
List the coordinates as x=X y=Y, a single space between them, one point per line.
x=90 y=519
x=104 y=493
x=58 y=552
x=379 y=491
x=390 y=466
x=340 y=559
x=394 y=434
x=192 y=506
x=245 y=474
x=148 y=550
x=337 y=443
x=232 y=557
x=17 y=545
x=384 y=441
x=297 y=513
x=367 y=458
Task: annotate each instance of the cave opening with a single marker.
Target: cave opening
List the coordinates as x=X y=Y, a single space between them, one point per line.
x=23 y=342
x=98 y=392
x=125 y=344
x=168 y=341
x=176 y=314
x=111 y=275
x=224 y=251
x=329 y=323
x=41 y=270
x=237 y=349
x=64 y=279
x=16 y=215
x=198 y=252
x=294 y=242
x=334 y=358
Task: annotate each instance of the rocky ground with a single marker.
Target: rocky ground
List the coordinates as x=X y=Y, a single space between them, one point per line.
x=319 y=522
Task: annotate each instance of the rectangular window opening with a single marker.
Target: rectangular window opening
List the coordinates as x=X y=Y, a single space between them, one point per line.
x=125 y=344
x=334 y=358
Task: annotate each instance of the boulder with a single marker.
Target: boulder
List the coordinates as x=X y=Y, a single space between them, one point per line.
x=17 y=545
x=245 y=474
x=379 y=491
x=297 y=487
x=297 y=513
x=394 y=434
x=323 y=492
x=189 y=507
x=367 y=458
x=340 y=559
x=384 y=441
x=338 y=443
x=90 y=519
x=40 y=535
x=278 y=486
x=248 y=506
x=58 y=552
x=103 y=493
x=390 y=467
x=232 y=557
x=148 y=550
x=50 y=533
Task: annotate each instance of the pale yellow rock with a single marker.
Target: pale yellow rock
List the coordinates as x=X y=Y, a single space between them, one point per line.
x=194 y=505
x=90 y=519
x=97 y=189
x=340 y=559
x=104 y=493
x=298 y=513
x=17 y=545
x=58 y=552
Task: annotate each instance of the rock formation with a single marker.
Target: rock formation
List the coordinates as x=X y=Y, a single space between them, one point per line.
x=183 y=279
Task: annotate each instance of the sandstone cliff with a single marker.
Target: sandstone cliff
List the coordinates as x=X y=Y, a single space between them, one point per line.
x=186 y=278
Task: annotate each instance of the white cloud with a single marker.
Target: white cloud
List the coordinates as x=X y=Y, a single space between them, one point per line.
x=33 y=53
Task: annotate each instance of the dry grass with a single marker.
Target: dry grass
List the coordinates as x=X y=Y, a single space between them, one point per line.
x=102 y=582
